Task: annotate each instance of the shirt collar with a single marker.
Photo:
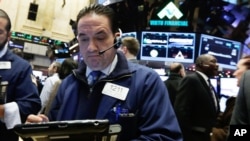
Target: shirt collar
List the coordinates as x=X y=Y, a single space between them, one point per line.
x=107 y=70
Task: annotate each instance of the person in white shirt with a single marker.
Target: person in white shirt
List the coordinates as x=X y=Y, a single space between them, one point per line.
x=49 y=83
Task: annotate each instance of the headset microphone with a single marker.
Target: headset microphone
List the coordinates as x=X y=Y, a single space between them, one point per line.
x=116 y=45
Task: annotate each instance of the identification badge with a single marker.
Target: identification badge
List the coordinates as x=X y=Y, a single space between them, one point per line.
x=5 y=65
x=115 y=91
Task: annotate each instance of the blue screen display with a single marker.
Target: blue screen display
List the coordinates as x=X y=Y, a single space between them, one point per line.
x=227 y=52
x=168 y=46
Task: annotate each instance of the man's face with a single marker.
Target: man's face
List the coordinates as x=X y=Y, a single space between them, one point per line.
x=95 y=35
x=211 y=67
x=3 y=32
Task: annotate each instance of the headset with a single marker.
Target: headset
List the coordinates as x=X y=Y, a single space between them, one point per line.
x=118 y=40
x=117 y=43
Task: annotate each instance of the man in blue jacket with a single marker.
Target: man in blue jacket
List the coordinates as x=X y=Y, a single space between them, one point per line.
x=129 y=94
x=21 y=97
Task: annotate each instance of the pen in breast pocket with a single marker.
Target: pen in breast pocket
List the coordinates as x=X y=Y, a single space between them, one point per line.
x=117 y=111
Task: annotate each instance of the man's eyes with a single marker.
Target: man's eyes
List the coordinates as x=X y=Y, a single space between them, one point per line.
x=84 y=39
x=100 y=38
x=87 y=39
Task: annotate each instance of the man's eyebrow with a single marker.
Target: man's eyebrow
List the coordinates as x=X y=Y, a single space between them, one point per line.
x=102 y=32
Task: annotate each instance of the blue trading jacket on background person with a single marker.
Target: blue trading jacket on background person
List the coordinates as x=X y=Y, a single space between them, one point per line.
x=153 y=117
x=20 y=90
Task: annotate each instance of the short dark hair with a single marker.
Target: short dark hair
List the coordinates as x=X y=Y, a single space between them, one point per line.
x=200 y=60
x=100 y=10
x=57 y=65
x=66 y=68
x=4 y=15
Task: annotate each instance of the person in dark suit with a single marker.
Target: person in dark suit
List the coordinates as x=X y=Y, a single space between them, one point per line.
x=221 y=130
x=176 y=73
x=196 y=104
x=241 y=109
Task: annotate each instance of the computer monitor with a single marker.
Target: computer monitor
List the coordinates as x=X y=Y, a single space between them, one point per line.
x=16 y=43
x=227 y=52
x=168 y=46
x=62 y=52
x=228 y=87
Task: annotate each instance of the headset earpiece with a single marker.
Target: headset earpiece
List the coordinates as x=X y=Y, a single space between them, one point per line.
x=118 y=40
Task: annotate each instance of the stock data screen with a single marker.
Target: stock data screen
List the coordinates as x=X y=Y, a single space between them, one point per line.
x=168 y=46
x=227 y=52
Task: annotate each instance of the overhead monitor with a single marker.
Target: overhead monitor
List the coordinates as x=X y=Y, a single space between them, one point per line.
x=168 y=46
x=62 y=53
x=227 y=52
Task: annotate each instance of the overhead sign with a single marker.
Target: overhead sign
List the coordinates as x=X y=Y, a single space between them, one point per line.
x=170 y=10
x=172 y=13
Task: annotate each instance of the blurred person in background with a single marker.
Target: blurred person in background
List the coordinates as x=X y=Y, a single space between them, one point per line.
x=49 y=83
x=241 y=110
x=197 y=104
x=67 y=67
x=130 y=46
x=242 y=66
x=220 y=131
x=176 y=73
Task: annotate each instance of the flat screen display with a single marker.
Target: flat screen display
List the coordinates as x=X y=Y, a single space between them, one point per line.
x=227 y=52
x=168 y=46
x=229 y=87
x=16 y=43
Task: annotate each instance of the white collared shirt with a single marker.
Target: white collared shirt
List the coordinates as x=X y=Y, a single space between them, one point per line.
x=47 y=89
